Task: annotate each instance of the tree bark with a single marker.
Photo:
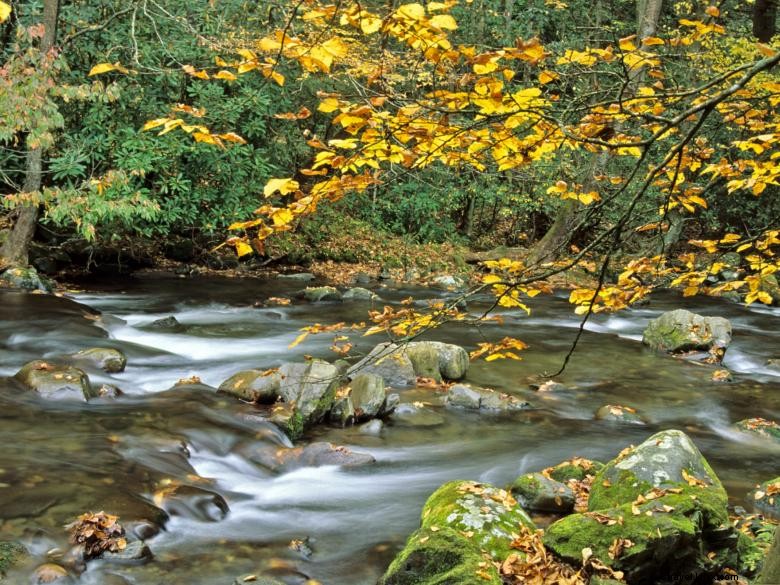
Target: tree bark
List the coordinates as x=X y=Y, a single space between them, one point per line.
x=15 y=250
x=764 y=19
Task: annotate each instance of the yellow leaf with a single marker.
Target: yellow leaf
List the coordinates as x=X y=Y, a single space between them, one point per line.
x=444 y=21
x=284 y=186
x=370 y=24
x=5 y=11
x=328 y=105
x=227 y=75
x=411 y=11
x=547 y=76
x=713 y=11
x=154 y=123
x=102 y=68
x=207 y=138
x=298 y=339
x=232 y=137
x=242 y=248
x=282 y=217
x=650 y=41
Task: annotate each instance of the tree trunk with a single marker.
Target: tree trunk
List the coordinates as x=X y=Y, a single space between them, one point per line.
x=764 y=19
x=560 y=233
x=15 y=250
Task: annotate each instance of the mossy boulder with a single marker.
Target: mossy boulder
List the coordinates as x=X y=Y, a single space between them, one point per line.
x=770 y=573
x=425 y=360
x=471 y=398
x=342 y=412
x=681 y=330
x=368 y=395
x=538 y=492
x=11 y=553
x=286 y=417
x=388 y=361
x=576 y=469
x=253 y=385
x=311 y=387
x=107 y=359
x=662 y=497
x=320 y=294
x=440 y=557
x=453 y=359
x=26 y=278
x=55 y=381
x=766 y=498
x=760 y=427
x=489 y=514
x=358 y=293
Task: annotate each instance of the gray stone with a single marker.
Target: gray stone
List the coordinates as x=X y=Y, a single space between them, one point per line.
x=453 y=359
x=681 y=330
x=319 y=454
x=372 y=428
x=27 y=279
x=393 y=400
x=55 y=381
x=619 y=414
x=537 y=492
x=448 y=282
x=169 y=323
x=492 y=400
x=299 y=276
x=342 y=412
x=253 y=385
x=135 y=553
x=390 y=362
x=463 y=396
x=321 y=294
x=107 y=359
x=760 y=427
x=194 y=503
x=368 y=395
x=311 y=387
x=108 y=391
x=425 y=360
x=358 y=294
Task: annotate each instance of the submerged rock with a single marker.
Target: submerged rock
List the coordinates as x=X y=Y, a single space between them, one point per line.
x=411 y=415
x=253 y=385
x=26 y=279
x=193 y=503
x=11 y=554
x=315 y=454
x=464 y=396
x=619 y=414
x=302 y=276
x=107 y=359
x=135 y=553
x=537 y=492
x=760 y=427
x=50 y=573
x=169 y=323
x=55 y=381
x=680 y=331
x=656 y=507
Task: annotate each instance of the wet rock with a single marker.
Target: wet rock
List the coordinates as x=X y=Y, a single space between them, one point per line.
x=388 y=361
x=169 y=323
x=368 y=395
x=315 y=454
x=359 y=294
x=490 y=514
x=107 y=359
x=256 y=580
x=453 y=359
x=311 y=387
x=55 y=381
x=574 y=469
x=425 y=360
x=11 y=554
x=411 y=415
x=302 y=546
x=663 y=505
x=448 y=282
x=26 y=279
x=253 y=385
x=50 y=573
x=393 y=400
x=760 y=427
x=320 y=294
x=135 y=553
x=298 y=276
x=108 y=391
x=766 y=498
x=194 y=503
x=770 y=285
x=539 y=493
x=372 y=428
x=463 y=396
x=680 y=331
x=773 y=363
x=342 y=412
x=288 y=419
x=440 y=556
x=619 y=414
x=549 y=386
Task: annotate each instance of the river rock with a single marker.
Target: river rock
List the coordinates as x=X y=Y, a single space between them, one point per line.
x=311 y=387
x=260 y=386
x=681 y=331
x=108 y=391
x=619 y=414
x=575 y=469
x=288 y=419
x=169 y=323
x=453 y=359
x=256 y=580
x=342 y=412
x=425 y=360
x=464 y=396
x=372 y=428
x=663 y=498
x=358 y=293
x=55 y=381
x=490 y=514
x=11 y=554
x=194 y=503
x=411 y=415
x=760 y=427
x=368 y=395
x=537 y=492
x=300 y=276
x=107 y=359
x=766 y=498
x=448 y=282
x=27 y=279
x=770 y=285
x=315 y=454
x=320 y=294
x=50 y=573
x=441 y=556
x=388 y=361
x=135 y=553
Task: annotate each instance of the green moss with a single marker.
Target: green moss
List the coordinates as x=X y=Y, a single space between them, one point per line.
x=565 y=471
x=440 y=557
x=489 y=513
x=425 y=360
x=10 y=554
x=526 y=485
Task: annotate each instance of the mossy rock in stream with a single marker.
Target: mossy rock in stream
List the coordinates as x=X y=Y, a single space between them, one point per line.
x=489 y=514
x=576 y=469
x=11 y=553
x=760 y=427
x=311 y=387
x=55 y=381
x=440 y=557
x=680 y=330
x=107 y=359
x=253 y=385
x=664 y=498
x=27 y=278
x=766 y=498
x=540 y=493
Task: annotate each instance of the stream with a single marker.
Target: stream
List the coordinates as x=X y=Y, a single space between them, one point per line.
x=236 y=516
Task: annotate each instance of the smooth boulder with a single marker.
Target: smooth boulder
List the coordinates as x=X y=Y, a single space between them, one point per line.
x=311 y=387
x=107 y=359
x=389 y=362
x=681 y=330
x=537 y=492
x=367 y=395
x=55 y=381
x=760 y=427
x=260 y=386
x=485 y=399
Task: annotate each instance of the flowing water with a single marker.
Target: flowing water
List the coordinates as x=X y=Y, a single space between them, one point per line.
x=59 y=460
